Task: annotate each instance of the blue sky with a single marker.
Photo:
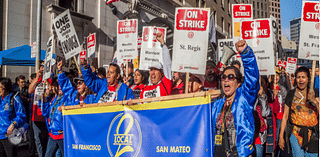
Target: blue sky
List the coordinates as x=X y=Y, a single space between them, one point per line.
x=290 y=9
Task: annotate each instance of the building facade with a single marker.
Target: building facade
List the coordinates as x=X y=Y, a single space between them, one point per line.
x=274 y=10
x=295 y=30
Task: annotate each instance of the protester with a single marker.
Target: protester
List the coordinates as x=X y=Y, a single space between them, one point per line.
x=108 y=90
x=236 y=64
x=102 y=72
x=11 y=115
x=261 y=111
x=140 y=81
x=316 y=79
x=39 y=125
x=300 y=118
x=232 y=115
x=177 y=83
x=160 y=76
x=50 y=109
x=128 y=80
x=22 y=91
x=211 y=81
x=195 y=84
x=74 y=95
x=30 y=133
x=279 y=94
x=284 y=78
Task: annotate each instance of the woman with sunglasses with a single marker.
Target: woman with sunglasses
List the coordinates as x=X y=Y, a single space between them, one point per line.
x=76 y=96
x=140 y=81
x=232 y=114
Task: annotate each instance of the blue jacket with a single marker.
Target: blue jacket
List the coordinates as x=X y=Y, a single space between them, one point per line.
x=100 y=86
x=50 y=110
x=242 y=108
x=7 y=115
x=71 y=93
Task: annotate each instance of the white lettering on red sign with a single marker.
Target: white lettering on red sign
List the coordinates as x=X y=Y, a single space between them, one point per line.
x=311 y=12
x=83 y=54
x=242 y=11
x=127 y=27
x=91 y=40
x=255 y=29
x=292 y=60
x=191 y=19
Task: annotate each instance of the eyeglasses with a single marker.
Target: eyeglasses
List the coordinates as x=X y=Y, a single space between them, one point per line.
x=80 y=82
x=230 y=77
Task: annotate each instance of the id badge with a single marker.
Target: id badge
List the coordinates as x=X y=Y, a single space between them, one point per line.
x=218 y=140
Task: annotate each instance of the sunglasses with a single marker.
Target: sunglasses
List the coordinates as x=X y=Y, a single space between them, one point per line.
x=80 y=82
x=230 y=77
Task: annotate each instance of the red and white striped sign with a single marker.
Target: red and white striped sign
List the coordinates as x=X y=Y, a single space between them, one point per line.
x=83 y=54
x=91 y=44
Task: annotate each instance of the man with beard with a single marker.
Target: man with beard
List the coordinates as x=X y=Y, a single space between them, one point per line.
x=177 y=83
x=211 y=81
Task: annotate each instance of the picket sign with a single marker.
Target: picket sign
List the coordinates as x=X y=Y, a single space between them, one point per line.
x=260 y=35
x=33 y=49
x=48 y=63
x=151 y=49
x=212 y=92
x=67 y=34
x=127 y=36
x=240 y=12
x=91 y=44
x=291 y=65
x=190 y=45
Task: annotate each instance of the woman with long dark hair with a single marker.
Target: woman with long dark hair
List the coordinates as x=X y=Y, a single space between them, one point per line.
x=12 y=115
x=300 y=118
x=140 y=82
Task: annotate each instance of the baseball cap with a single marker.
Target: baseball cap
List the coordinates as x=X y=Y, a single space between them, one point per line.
x=156 y=65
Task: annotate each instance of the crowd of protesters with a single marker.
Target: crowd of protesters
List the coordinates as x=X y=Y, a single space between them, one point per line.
x=254 y=115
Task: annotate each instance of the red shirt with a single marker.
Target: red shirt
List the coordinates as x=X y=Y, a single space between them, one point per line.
x=137 y=89
x=213 y=85
x=36 y=111
x=178 y=89
x=163 y=88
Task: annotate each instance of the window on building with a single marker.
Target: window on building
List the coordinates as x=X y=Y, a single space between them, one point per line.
x=222 y=23
x=262 y=14
x=254 y=13
x=261 y=5
x=197 y=3
x=68 y=4
x=258 y=13
x=253 y=5
x=266 y=15
x=272 y=9
x=257 y=5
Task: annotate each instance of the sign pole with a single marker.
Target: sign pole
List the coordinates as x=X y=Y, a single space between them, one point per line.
x=312 y=74
x=127 y=70
x=75 y=61
x=187 y=83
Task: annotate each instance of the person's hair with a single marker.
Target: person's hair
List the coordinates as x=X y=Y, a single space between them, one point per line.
x=305 y=70
x=21 y=77
x=144 y=76
x=6 y=82
x=236 y=71
x=130 y=64
x=34 y=75
x=118 y=70
x=283 y=68
x=235 y=62
x=102 y=71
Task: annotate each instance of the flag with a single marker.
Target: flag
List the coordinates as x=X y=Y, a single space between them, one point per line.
x=110 y=1
x=212 y=31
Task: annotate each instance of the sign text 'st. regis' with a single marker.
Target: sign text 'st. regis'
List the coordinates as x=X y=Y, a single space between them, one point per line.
x=128 y=26
x=311 y=12
x=255 y=29
x=242 y=11
x=191 y=19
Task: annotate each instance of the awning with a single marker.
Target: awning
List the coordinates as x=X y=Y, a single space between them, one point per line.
x=19 y=56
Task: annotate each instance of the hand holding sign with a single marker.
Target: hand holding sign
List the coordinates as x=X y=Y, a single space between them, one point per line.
x=241 y=45
x=160 y=38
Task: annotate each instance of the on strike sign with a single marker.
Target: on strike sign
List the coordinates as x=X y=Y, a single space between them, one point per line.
x=240 y=12
x=260 y=36
x=83 y=55
x=150 y=48
x=190 y=43
x=291 y=65
x=33 y=49
x=127 y=35
x=91 y=44
x=67 y=34
x=309 y=32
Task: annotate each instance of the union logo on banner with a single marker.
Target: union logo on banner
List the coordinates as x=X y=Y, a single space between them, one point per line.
x=124 y=136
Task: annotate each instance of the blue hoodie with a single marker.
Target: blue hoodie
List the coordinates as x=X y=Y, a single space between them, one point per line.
x=7 y=115
x=100 y=86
